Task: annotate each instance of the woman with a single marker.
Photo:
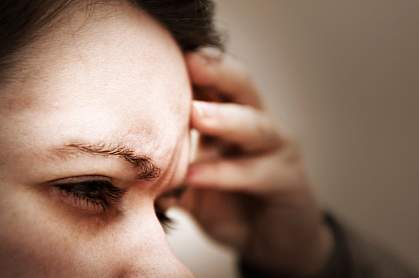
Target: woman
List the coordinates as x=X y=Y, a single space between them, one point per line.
x=96 y=110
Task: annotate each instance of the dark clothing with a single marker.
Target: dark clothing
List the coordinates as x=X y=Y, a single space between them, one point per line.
x=351 y=258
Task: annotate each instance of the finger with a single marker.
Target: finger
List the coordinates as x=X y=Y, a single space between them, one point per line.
x=223 y=74
x=249 y=128
x=187 y=200
x=255 y=175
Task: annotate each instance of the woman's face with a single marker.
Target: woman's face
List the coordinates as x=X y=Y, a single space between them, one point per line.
x=93 y=129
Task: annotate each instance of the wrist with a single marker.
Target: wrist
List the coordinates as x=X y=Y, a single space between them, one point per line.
x=320 y=254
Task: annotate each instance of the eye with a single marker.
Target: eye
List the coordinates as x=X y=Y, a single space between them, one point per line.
x=162 y=205
x=96 y=195
x=91 y=194
x=166 y=222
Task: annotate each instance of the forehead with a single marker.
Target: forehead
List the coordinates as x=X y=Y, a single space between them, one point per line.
x=114 y=72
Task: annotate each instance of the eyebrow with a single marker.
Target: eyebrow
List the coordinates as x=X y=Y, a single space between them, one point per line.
x=147 y=168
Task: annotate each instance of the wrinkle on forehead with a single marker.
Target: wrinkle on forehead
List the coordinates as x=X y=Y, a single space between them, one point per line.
x=121 y=76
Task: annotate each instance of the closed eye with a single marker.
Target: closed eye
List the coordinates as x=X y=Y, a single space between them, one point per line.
x=163 y=204
x=97 y=194
x=92 y=194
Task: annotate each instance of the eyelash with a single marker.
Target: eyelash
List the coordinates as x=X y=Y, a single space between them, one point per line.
x=98 y=196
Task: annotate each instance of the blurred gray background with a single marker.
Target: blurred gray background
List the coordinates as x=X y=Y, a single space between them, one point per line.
x=343 y=78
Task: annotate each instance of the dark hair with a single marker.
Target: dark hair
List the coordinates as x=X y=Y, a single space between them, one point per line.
x=189 y=21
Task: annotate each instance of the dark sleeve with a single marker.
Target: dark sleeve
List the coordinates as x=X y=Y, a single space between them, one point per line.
x=352 y=257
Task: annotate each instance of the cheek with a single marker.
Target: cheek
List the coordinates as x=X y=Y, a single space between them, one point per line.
x=36 y=240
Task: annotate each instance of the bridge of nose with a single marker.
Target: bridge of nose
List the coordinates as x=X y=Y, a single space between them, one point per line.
x=138 y=247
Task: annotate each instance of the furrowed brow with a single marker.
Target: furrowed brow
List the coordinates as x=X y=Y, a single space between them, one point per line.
x=147 y=169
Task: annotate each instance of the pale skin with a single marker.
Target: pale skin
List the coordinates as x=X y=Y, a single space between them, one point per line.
x=93 y=80
x=99 y=83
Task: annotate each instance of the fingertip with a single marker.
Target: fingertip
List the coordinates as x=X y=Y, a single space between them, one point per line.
x=205 y=55
x=200 y=68
x=204 y=117
x=198 y=63
x=196 y=112
x=201 y=108
x=211 y=53
x=195 y=58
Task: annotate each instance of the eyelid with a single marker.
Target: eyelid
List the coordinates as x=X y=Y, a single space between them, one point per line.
x=105 y=196
x=79 y=179
x=96 y=206
x=70 y=199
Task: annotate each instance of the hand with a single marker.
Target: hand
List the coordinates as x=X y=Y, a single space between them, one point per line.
x=247 y=188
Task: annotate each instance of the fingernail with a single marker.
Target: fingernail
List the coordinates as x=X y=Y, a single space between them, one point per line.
x=208 y=55
x=202 y=108
x=211 y=53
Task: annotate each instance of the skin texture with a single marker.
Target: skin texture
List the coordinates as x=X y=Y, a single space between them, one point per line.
x=115 y=77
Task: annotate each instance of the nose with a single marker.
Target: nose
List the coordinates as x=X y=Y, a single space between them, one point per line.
x=165 y=269
x=143 y=250
x=156 y=260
